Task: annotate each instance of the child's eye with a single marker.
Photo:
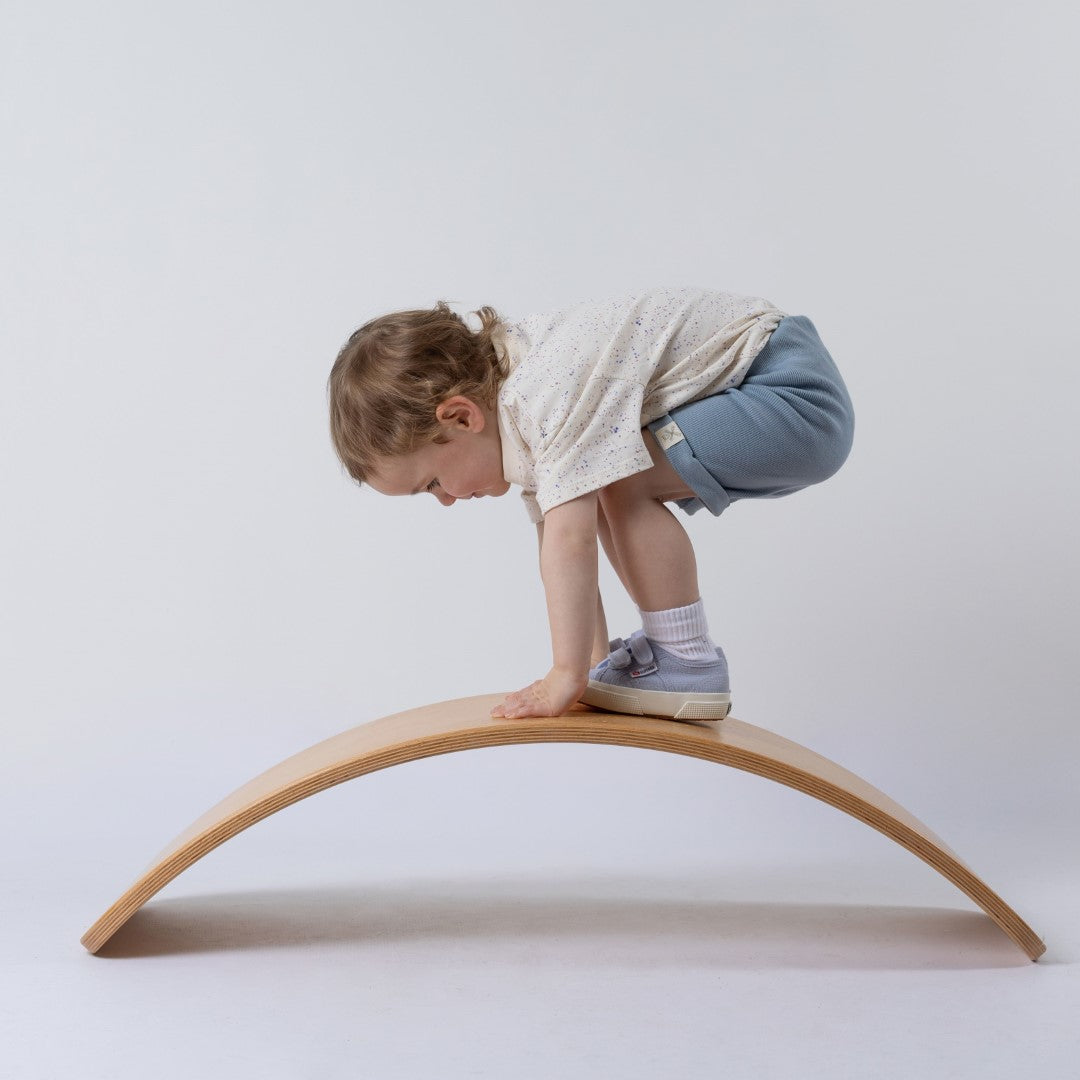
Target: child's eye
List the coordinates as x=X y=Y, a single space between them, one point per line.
x=432 y=484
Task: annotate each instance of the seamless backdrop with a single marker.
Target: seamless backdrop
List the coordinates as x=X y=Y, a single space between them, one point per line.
x=200 y=203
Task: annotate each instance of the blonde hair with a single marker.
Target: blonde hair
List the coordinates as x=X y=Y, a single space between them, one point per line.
x=395 y=370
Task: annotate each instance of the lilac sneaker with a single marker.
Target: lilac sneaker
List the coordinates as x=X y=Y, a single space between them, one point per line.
x=642 y=678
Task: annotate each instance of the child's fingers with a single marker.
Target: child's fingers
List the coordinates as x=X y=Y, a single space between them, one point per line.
x=509 y=706
x=523 y=703
x=531 y=705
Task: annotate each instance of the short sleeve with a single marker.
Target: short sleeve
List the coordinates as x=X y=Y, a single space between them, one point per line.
x=532 y=507
x=598 y=442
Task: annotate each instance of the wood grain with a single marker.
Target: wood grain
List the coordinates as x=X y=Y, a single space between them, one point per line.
x=464 y=724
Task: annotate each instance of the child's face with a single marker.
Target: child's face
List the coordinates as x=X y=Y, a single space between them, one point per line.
x=468 y=466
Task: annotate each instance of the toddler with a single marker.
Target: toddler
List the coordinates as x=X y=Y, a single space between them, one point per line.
x=603 y=413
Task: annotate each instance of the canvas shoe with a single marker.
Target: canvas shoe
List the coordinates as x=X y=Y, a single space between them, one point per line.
x=642 y=678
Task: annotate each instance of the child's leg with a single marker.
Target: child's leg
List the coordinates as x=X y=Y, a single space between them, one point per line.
x=608 y=544
x=652 y=554
x=787 y=426
x=671 y=667
x=647 y=546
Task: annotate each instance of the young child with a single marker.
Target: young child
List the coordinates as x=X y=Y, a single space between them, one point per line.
x=602 y=412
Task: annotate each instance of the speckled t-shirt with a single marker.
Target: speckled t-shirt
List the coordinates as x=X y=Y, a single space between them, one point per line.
x=583 y=381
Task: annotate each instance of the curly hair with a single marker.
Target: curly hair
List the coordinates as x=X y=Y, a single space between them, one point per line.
x=394 y=371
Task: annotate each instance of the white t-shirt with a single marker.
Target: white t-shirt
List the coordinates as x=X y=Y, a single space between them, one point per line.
x=583 y=381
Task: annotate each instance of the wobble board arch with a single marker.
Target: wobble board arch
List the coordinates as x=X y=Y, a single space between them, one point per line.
x=465 y=724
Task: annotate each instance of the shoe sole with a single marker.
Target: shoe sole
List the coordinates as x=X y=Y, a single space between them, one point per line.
x=666 y=706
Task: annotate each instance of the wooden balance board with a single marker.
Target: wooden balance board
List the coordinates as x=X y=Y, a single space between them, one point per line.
x=465 y=724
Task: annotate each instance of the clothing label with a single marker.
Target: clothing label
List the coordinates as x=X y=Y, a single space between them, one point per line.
x=669 y=435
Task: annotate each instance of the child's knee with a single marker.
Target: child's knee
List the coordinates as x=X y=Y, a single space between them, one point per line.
x=617 y=496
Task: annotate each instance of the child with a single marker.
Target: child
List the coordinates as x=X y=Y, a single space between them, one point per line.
x=602 y=412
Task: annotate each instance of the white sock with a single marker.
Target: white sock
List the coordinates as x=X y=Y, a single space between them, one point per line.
x=681 y=630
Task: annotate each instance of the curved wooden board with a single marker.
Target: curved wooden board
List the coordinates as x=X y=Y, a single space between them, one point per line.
x=465 y=724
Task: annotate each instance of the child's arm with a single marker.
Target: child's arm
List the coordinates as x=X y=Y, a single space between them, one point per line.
x=600 y=639
x=568 y=566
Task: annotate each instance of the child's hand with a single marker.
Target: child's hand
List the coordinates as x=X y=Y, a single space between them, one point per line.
x=550 y=696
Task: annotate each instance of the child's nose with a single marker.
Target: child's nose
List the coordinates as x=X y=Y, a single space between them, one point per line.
x=444 y=498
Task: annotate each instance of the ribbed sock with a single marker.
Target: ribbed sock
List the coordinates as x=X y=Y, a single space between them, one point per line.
x=681 y=630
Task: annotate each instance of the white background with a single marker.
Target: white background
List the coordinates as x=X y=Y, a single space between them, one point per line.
x=199 y=203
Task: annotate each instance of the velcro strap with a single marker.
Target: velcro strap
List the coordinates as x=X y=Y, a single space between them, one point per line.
x=639 y=646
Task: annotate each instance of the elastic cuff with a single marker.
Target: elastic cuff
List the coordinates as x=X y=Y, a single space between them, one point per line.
x=710 y=494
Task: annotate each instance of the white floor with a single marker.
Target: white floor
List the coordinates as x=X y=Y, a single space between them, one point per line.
x=853 y=968
x=529 y=911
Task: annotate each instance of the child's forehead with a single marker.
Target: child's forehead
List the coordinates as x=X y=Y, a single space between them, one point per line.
x=394 y=476
x=406 y=474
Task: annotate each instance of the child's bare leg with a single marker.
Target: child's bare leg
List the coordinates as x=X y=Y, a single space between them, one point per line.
x=653 y=555
x=601 y=641
x=608 y=544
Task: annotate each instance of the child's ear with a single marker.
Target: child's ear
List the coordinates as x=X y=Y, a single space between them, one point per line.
x=459 y=409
